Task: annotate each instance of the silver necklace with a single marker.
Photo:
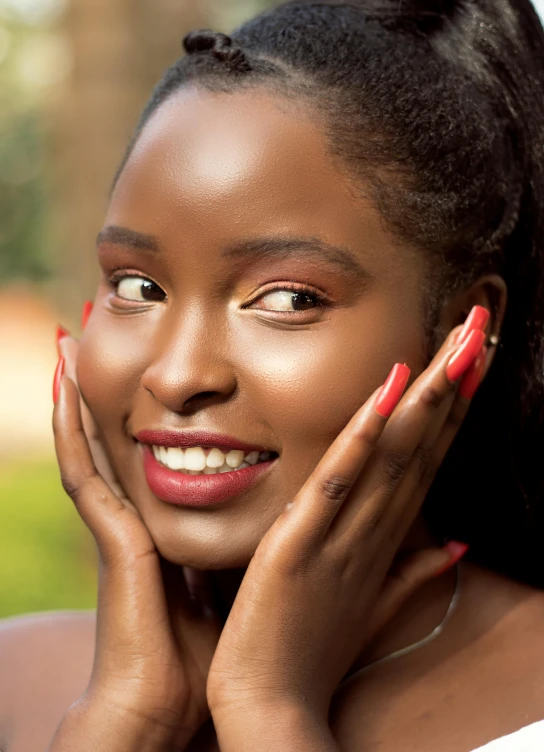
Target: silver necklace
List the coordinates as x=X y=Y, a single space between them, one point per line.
x=425 y=640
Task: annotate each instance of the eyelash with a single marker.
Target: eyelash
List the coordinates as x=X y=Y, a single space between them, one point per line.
x=117 y=277
x=321 y=299
x=311 y=292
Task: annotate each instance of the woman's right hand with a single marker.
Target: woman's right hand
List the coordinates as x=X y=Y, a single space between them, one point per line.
x=154 y=641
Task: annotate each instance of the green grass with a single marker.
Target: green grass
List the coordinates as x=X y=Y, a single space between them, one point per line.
x=47 y=559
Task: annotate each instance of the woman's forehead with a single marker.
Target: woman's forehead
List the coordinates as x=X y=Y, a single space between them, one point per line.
x=230 y=165
x=225 y=146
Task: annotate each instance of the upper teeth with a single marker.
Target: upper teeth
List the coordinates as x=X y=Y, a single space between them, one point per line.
x=206 y=460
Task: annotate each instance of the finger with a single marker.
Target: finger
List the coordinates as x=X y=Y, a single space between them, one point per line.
x=402 y=452
x=315 y=507
x=69 y=349
x=103 y=512
x=320 y=498
x=405 y=579
x=436 y=445
x=130 y=593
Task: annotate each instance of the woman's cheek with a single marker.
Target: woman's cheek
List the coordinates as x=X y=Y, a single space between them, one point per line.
x=311 y=386
x=108 y=371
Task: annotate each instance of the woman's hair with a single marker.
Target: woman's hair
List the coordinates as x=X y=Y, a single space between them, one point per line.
x=436 y=109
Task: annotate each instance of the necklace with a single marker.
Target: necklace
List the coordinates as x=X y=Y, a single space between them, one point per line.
x=425 y=640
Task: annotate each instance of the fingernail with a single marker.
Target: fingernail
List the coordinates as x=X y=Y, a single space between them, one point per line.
x=456 y=551
x=392 y=390
x=61 y=334
x=466 y=354
x=87 y=310
x=473 y=377
x=57 y=378
x=477 y=319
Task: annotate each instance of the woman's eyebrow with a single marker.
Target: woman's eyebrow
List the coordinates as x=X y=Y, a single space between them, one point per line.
x=254 y=249
x=309 y=248
x=123 y=236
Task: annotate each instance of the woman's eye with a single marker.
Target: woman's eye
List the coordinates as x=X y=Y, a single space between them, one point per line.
x=290 y=301
x=138 y=289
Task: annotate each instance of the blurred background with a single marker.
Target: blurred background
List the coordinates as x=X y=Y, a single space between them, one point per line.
x=74 y=76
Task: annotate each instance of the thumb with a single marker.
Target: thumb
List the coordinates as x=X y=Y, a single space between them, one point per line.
x=407 y=576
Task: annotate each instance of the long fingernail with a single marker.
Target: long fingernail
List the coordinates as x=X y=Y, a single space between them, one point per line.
x=473 y=377
x=61 y=334
x=477 y=319
x=466 y=354
x=59 y=372
x=457 y=551
x=87 y=310
x=392 y=390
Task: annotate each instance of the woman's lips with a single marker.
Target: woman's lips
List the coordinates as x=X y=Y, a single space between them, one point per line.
x=198 y=490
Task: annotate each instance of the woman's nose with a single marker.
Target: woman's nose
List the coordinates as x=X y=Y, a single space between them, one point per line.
x=190 y=365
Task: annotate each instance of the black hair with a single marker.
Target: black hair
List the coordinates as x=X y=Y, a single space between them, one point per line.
x=438 y=105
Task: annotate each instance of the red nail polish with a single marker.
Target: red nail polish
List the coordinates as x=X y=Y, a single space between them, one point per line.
x=61 y=334
x=87 y=310
x=473 y=377
x=466 y=354
x=392 y=390
x=477 y=319
x=59 y=372
x=457 y=551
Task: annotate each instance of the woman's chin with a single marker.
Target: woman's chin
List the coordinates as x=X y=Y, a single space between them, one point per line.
x=203 y=557
x=210 y=539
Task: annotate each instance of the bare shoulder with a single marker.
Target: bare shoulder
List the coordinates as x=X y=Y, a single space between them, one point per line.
x=45 y=666
x=482 y=679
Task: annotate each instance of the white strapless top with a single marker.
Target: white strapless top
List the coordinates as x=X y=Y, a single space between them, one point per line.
x=529 y=739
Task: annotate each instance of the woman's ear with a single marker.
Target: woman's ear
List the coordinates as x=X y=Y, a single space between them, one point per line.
x=490 y=292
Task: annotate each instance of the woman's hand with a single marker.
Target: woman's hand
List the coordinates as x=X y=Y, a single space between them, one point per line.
x=305 y=607
x=154 y=642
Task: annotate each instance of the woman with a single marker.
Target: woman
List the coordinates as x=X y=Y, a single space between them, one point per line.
x=338 y=188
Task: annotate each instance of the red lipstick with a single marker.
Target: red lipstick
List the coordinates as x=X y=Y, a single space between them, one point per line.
x=196 y=438
x=198 y=490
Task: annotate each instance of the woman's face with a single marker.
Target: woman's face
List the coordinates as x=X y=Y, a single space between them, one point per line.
x=226 y=203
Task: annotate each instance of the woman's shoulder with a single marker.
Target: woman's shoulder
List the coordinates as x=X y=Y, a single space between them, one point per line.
x=45 y=665
x=482 y=679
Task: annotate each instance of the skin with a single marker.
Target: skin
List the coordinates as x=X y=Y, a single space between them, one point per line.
x=290 y=382
x=266 y=380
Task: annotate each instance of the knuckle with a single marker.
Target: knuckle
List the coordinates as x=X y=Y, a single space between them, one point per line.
x=431 y=396
x=395 y=464
x=422 y=455
x=70 y=485
x=76 y=488
x=336 y=489
x=372 y=522
x=365 y=435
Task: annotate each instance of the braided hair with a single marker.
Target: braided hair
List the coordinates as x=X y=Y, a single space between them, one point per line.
x=220 y=46
x=438 y=106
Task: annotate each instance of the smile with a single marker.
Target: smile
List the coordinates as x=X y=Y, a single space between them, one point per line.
x=194 y=488
x=207 y=461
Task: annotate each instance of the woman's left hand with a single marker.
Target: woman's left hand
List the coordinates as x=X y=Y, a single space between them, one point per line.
x=307 y=604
